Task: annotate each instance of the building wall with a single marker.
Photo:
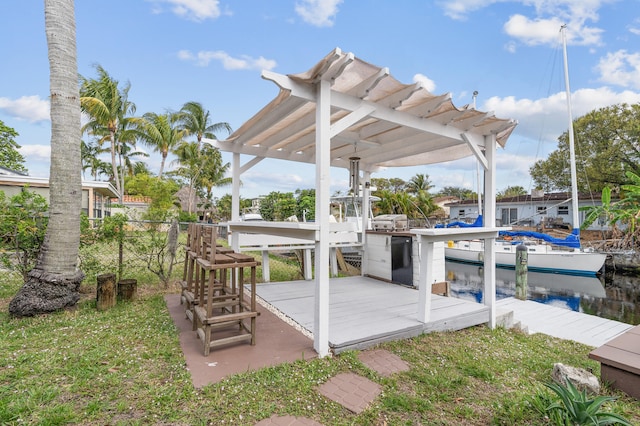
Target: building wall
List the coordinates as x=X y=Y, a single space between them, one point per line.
x=527 y=213
x=94 y=204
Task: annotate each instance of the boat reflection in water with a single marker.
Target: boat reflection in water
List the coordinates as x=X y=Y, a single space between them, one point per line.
x=566 y=291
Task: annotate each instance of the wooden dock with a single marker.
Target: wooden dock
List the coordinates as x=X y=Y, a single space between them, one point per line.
x=365 y=311
x=563 y=323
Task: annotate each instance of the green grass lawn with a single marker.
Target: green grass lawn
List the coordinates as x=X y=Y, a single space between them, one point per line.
x=125 y=366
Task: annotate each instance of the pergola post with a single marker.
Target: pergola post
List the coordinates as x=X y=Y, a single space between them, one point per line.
x=364 y=216
x=490 y=222
x=235 y=197
x=323 y=181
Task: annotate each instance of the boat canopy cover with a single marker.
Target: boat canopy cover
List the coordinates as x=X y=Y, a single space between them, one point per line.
x=459 y=224
x=572 y=240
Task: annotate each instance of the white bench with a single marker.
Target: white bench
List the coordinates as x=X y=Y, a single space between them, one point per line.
x=344 y=234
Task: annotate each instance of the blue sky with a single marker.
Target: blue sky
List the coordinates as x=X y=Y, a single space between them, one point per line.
x=213 y=51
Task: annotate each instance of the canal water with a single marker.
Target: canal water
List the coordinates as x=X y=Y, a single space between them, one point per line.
x=612 y=296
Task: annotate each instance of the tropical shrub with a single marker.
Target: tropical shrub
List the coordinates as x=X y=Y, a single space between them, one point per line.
x=23 y=224
x=577 y=408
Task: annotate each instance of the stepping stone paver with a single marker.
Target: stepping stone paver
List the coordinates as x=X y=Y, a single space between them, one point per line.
x=350 y=390
x=287 y=421
x=383 y=362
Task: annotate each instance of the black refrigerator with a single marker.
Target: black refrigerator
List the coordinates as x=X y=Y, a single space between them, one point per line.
x=401 y=260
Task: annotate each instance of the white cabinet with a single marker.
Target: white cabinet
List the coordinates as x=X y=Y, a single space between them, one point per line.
x=378 y=256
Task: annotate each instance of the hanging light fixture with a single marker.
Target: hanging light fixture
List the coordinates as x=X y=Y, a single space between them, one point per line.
x=354 y=175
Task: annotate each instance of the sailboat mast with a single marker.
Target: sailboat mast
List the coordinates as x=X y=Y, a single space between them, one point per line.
x=572 y=154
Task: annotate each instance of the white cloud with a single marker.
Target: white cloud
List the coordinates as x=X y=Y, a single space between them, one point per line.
x=36 y=152
x=244 y=62
x=620 y=68
x=511 y=47
x=545 y=30
x=533 y=32
x=545 y=119
x=544 y=23
x=426 y=82
x=319 y=13
x=459 y=9
x=29 y=108
x=194 y=10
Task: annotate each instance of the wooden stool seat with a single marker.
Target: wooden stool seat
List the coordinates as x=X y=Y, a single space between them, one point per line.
x=224 y=250
x=240 y=257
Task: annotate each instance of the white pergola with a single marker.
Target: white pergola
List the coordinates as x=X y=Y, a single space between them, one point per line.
x=344 y=108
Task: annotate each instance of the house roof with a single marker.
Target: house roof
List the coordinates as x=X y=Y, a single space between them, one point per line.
x=103 y=188
x=373 y=117
x=528 y=198
x=5 y=171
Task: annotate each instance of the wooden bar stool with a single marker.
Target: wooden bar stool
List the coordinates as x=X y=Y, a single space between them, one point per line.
x=192 y=252
x=223 y=308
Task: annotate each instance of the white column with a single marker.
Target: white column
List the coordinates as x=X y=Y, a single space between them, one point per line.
x=266 y=271
x=323 y=178
x=333 y=261
x=235 y=197
x=490 y=222
x=366 y=192
x=426 y=279
x=308 y=273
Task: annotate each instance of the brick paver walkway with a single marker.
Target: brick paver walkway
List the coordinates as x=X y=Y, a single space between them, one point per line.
x=383 y=362
x=351 y=391
x=287 y=421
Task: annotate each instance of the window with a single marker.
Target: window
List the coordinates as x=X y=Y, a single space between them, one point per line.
x=509 y=216
x=461 y=213
x=563 y=210
x=541 y=210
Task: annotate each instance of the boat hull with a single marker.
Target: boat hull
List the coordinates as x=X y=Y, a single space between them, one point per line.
x=540 y=257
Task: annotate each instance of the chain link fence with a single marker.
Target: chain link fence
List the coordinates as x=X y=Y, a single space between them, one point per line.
x=145 y=251
x=154 y=253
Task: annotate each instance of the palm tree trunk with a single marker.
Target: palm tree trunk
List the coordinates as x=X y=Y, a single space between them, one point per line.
x=114 y=165
x=54 y=282
x=164 y=157
x=120 y=186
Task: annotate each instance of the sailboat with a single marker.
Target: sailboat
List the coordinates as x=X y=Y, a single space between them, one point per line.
x=565 y=255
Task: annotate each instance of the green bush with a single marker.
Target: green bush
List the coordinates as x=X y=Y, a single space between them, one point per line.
x=23 y=224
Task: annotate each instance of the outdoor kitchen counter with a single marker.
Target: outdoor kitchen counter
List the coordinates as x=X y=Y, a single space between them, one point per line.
x=428 y=237
x=404 y=233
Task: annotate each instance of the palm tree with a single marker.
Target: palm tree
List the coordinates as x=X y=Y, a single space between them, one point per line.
x=161 y=132
x=89 y=156
x=197 y=121
x=419 y=182
x=107 y=105
x=511 y=191
x=213 y=172
x=141 y=168
x=202 y=168
x=189 y=165
x=127 y=152
x=54 y=282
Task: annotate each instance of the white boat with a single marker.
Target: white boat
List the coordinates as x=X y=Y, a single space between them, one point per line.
x=347 y=208
x=542 y=256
